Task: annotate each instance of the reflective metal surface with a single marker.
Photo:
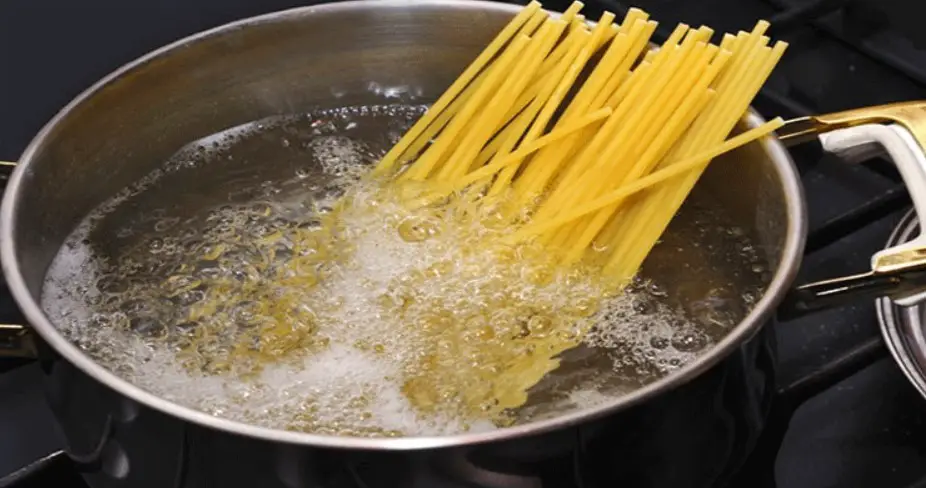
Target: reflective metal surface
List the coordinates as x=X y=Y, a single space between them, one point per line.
x=904 y=141
x=904 y=328
x=290 y=62
x=696 y=435
x=898 y=271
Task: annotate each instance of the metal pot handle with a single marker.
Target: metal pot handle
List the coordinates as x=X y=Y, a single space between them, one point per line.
x=899 y=130
x=15 y=340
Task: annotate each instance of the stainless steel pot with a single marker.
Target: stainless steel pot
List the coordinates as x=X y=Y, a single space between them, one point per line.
x=333 y=55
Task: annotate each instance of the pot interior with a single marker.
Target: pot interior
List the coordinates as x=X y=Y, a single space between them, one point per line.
x=232 y=118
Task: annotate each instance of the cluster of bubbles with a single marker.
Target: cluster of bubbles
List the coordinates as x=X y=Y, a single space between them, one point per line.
x=325 y=305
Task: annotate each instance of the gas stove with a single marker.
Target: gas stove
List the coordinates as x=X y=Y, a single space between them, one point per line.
x=842 y=415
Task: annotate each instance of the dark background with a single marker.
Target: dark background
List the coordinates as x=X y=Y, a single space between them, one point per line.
x=51 y=50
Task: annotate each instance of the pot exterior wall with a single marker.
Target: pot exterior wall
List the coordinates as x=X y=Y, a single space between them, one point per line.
x=696 y=435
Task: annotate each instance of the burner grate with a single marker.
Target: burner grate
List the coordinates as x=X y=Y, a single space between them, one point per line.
x=853 y=29
x=798 y=15
x=879 y=207
x=53 y=470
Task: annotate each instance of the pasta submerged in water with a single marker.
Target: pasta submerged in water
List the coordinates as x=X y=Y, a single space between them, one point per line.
x=537 y=184
x=582 y=142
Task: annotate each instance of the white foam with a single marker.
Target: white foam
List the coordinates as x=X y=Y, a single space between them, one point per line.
x=656 y=340
x=342 y=385
x=282 y=391
x=338 y=155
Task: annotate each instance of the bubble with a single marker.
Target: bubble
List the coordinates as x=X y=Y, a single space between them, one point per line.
x=690 y=340
x=162 y=339
x=659 y=342
x=266 y=313
x=643 y=307
x=657 y=290
x=156 y=245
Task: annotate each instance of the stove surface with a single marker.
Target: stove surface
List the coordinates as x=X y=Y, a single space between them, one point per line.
x=845 y=415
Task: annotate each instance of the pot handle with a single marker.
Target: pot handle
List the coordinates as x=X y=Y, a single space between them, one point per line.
x=15 y=340
x=899 y=130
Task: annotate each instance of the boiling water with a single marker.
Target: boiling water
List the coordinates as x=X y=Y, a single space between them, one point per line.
x=166 y=283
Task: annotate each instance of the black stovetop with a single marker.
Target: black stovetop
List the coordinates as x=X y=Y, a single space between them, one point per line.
x=847 y=415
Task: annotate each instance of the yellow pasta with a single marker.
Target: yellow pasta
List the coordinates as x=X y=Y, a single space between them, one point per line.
x=579 y=143
x=390 y=159
x=535 y=178
x=576 y=61
x=672 y=170
x=631 y=117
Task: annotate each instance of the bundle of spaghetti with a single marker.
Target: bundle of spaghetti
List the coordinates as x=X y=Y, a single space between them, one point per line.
x=564 y=149
x=581 y=136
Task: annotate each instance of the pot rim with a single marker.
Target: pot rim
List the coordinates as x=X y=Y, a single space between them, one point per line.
x=792 y=252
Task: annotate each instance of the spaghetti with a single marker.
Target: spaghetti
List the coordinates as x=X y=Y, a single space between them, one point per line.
x=565 y=152
x=560 y=155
